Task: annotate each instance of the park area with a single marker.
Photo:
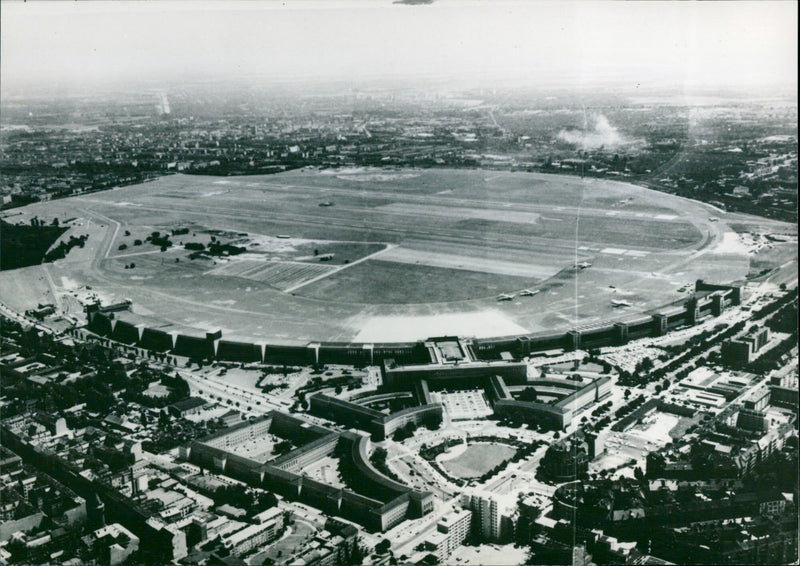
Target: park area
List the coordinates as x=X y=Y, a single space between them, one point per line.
x=474 y=460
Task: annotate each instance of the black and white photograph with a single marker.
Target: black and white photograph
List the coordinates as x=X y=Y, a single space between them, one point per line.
x=398 y=282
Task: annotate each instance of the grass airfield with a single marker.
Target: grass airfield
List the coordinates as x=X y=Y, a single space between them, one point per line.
x=376 y=256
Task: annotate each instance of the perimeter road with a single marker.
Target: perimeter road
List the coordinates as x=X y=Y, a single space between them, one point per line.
x=117 y=226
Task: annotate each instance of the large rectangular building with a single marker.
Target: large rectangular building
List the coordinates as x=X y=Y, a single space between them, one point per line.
x=451 y=532
x=744 y=349
x=384 y=503
x=450 y=358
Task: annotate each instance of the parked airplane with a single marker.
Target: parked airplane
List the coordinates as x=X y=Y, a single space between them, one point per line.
x=505 y=297
x=617 y=303
x=528 y=293
x=584 y=265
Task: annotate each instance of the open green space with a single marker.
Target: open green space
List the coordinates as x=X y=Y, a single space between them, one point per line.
x=376 y=281
x=478 y=459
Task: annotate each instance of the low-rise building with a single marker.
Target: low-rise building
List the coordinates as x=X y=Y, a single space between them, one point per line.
x=784 y=391
x=253 y=536
x=111 y=544
x=188 y=406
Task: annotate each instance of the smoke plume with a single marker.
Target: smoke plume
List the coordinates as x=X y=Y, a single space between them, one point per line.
x=602 y=135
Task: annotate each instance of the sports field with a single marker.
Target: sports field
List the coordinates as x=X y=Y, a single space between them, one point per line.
x=391 y=256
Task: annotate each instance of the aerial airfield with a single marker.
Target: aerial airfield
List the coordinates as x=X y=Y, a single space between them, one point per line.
x=366 y=255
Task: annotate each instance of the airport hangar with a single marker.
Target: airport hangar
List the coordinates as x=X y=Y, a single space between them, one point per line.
x=491 y=363
x=707 y=300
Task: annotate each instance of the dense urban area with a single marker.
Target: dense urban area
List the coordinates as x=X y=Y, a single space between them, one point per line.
x=667 y=437
x=735 y=152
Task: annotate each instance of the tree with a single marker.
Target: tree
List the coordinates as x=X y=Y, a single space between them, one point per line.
x=356 y=555
x=627 y=394
x=383 y=546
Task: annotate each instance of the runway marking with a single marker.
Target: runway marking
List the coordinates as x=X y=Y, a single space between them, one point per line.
x=340 y=268
x=52 y=285
x=113 y=236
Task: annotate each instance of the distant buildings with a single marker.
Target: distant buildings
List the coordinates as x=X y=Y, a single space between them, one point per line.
x=756 y=540
x=727 y=452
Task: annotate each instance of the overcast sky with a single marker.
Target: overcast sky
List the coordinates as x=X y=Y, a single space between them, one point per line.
x=678 y=44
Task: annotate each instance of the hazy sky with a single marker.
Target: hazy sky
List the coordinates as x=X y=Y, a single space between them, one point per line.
x=674 y=43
